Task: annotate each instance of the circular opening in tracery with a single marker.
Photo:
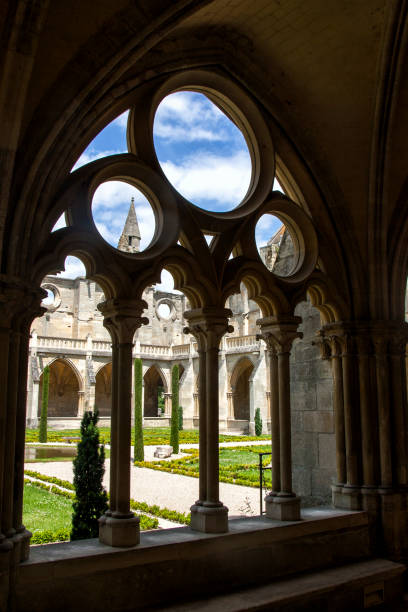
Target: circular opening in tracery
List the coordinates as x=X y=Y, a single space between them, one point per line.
x=164 y=311
x=123 y=216
x=50 y=299
x=275 y=245
x=201 y=151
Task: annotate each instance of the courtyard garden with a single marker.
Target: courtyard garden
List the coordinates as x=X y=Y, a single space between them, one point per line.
x=238 y=465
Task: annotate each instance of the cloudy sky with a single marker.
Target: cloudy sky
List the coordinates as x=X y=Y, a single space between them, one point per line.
x=202 y=153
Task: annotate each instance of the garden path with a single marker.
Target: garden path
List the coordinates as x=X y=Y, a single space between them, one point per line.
x=172 y=491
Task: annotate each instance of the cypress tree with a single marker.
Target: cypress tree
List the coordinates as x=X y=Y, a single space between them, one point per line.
x=174 y=433
x=42 y=434
x=180 y=418
x=138 y=447
x=91 y=500
x=258 y=422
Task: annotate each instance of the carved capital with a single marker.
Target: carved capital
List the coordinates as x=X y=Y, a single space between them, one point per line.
x=20 y=304
x=279 y=332
x=208 y=325
x=122 y=318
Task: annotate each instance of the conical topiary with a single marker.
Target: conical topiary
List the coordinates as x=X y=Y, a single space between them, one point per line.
x=174 y=433
x=91 y=500
x=42 y=434
x=138 y=446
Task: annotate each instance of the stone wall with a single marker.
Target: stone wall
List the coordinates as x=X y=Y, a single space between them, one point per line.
x=313 y=439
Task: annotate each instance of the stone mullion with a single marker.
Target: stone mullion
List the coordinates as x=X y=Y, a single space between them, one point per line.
x=119 y=527
x=384 y=411
x=368 y=441
x=124 y=394
x=4 y=366
x=114 y=427
x=350 y=414
x=279 y=334
x=212 y=425
x=275 y=427
x=338 y=402
x=11 y=425
x=202 y=428
x=399 y=397
x=285 y=425
x=20 y=445
x=208 y=325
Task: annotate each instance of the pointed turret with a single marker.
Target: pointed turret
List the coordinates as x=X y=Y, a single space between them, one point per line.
x=130 y=238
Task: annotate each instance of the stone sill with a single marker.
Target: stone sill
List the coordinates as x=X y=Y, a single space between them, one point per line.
x=314 y=521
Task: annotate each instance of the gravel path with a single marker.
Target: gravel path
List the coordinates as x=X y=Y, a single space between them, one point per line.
x=172 y=491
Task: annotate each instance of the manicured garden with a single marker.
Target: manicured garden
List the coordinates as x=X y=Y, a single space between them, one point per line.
x=151 y=436
x=238 y=465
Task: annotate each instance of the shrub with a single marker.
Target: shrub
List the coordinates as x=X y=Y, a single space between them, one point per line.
x=138 y=447
x=258 y=422
x=174 y=433
x=91 y=498
x=180 y=418
x=42 y=434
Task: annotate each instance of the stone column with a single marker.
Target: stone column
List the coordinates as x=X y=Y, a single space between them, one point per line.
x=370 y=402
x=120 y=527
x=167 y=404
x=81 y=403
x=19 y=305
x=279 y=332
x=208 y=325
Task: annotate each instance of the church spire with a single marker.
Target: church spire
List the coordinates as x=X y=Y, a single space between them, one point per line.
x=130 y=238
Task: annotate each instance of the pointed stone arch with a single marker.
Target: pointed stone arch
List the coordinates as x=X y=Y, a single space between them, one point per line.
x=239 y=389
x=154 y=380
x=64 y=388
x=103 y=390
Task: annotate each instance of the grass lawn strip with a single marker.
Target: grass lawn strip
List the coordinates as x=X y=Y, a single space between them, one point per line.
x=151 y=436
x=238 y=465
x=66 y=487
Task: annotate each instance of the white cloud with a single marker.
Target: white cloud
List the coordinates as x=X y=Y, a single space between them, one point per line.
x=188 y=117
x=91 y=154
x=204 y=178
x=73 y=268
x=166 y=283
x=122 y=120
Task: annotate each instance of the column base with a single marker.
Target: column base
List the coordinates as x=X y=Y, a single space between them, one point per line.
x=21 y=541
x=209 y=519
x=282 y=508
x=120 y=532
x=346 y=497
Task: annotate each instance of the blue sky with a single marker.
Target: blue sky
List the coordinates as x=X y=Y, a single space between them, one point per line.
x=202 y=153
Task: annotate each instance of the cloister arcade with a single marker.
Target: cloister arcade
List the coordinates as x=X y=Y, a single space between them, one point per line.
x=319 y=95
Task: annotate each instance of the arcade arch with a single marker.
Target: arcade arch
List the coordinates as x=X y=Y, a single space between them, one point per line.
x=240 y=389
x=103 y=390
x=64 y=387
x=155 y=386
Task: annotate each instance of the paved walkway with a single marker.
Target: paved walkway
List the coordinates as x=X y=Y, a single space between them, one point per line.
x=172 y=491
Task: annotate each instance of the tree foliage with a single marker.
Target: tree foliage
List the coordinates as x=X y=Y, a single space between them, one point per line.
x=258 y=422
x=174 y=433
x=91 y=500
x=138 y=447
x=42 y=434
x=180 y=418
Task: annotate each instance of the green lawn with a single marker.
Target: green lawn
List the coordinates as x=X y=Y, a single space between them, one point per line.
x=152 y=436
x=238 y=465
x=45 y=511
